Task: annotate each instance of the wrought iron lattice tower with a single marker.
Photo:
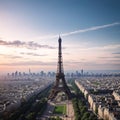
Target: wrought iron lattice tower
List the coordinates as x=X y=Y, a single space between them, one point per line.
x=60 y=83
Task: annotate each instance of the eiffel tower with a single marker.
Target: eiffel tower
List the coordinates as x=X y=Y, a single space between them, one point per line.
x=60 y=83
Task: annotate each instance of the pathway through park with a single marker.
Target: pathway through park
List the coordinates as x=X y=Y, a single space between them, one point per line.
x=50 y=107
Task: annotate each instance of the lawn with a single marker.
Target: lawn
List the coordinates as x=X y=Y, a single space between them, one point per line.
x=60 y=109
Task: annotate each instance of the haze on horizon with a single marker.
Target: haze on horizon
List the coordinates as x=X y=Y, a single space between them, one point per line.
x=29 y=31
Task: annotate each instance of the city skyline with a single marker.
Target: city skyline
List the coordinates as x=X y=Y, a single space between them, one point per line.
x=29 y=33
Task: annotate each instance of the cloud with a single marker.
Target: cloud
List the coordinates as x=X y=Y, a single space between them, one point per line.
x=110 y=57
x=109 y=47
x=32 y=54
x=116 y=53
x=20 y=56
x=3 y=42
x=94 y=28
x=31 y=63
x=106 y=47
x=112 y=46
x=93 y=63
x=11 y=56
x=90 y=29
x=115 y=61
x=29 y=45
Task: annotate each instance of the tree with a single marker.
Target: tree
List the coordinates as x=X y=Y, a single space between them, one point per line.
x=96 y=110
x=92 y=117
x=83 y=109
x=30 y=116
x=85 y=116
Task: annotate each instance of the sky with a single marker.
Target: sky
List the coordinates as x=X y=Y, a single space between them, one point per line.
x=29 y=32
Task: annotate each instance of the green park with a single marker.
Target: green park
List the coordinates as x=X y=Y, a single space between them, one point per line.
x=60 y=109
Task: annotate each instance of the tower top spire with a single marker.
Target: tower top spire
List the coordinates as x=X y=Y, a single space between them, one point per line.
x=59 y=40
